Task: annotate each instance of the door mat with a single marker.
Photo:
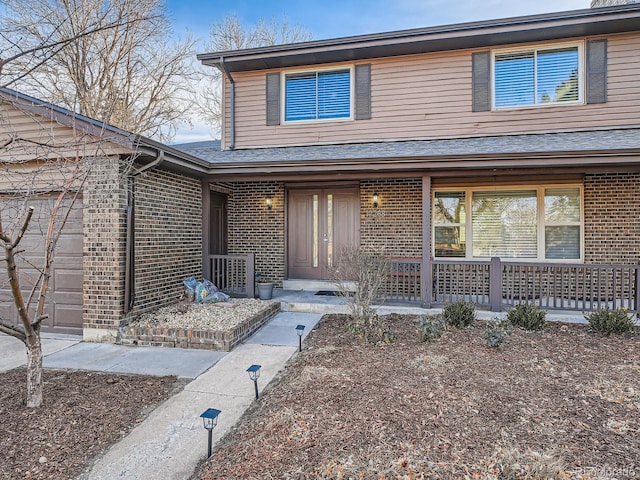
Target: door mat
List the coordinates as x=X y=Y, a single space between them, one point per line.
x=331 y=293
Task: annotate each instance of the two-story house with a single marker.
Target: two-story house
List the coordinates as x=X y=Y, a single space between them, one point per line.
x=494 y=161
x=515 y=139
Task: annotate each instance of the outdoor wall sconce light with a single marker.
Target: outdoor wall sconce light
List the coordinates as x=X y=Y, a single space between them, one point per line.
x=210 y=420
x=300 y=331
x=269 y=203
x=254 y=374
x=375 y=200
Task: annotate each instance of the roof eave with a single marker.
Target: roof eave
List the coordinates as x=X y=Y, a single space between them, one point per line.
x=534 y=28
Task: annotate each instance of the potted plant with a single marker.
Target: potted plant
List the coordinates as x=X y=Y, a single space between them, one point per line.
x=264 y=287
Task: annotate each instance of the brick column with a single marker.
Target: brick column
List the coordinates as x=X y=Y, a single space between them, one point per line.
x=103 y=250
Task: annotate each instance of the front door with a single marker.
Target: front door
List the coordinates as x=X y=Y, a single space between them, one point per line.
x=321 y=223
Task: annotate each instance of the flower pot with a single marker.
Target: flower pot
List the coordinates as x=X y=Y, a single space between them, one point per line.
x=265 y=290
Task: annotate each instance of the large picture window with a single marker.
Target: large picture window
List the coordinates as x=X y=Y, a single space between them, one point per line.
x=317 y=95
x=541 y=223
x=539 y=76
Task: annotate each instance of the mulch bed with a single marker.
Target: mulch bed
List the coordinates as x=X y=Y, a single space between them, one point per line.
x=83 y=414
x=565 y=401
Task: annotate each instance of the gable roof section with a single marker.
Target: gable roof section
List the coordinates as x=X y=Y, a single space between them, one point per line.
x=532 y=28
x=125 y=143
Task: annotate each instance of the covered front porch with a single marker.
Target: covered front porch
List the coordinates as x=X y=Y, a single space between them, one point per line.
x=493 y=285
x=462 y=219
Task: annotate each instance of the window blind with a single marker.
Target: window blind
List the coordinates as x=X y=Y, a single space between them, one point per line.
x=504 y=224
x=318 y=95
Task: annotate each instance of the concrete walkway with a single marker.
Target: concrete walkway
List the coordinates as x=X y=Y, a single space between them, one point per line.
x=171 y=441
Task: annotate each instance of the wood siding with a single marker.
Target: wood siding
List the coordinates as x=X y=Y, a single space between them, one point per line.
x=36 y=137
x=430 y=96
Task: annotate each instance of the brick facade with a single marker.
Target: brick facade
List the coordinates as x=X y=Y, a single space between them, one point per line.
x=255 y=228
x=612 y=218
x=168 y=237
x=396 y=224
x=104 y=233
x=168 y=243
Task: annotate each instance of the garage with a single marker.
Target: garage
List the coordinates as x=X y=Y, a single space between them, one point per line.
x=64 y=302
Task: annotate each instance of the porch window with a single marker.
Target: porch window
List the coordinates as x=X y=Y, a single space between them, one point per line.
x=538 y=76
x=449 y=218
x=317 y=95
x=541 y=223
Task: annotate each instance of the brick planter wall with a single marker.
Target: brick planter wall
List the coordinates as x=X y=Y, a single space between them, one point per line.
x=193 y=338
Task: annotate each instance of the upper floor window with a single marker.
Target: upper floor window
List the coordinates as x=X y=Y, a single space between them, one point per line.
x=318 y=95
x=538 y=76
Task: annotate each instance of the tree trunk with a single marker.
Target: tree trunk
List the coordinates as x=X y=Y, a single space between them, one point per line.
x=34 y=372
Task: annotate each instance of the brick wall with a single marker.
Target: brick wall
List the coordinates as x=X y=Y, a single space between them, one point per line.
x=254 y=228
x=612 y=218
x=168 y=237
x=103 y=246
x=396 y=224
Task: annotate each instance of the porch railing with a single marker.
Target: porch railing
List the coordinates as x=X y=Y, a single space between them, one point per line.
x=496 y=284
x=403 y=280
x=233 y=274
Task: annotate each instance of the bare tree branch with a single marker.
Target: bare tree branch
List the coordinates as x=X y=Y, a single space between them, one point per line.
x=231 y=34
x=119 y=67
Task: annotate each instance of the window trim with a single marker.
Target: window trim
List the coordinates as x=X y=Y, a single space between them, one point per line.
x=540 y=221
x=335 y=68
x=535 y=48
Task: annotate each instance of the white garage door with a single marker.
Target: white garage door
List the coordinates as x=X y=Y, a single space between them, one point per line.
x=64 y=299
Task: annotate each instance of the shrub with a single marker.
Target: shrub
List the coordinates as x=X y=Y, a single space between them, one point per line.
x=527 y=316
x=607 y=321
x=375 y=330
x=366 y=273
x=431 y=326
x=497 y=331
x=459 y=314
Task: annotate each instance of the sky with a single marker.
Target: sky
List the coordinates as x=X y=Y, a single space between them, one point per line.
x=339 y=18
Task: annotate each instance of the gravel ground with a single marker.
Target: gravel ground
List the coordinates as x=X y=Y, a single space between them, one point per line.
x=210 y=316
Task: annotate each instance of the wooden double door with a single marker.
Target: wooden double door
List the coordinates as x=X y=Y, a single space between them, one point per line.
x=321 y=222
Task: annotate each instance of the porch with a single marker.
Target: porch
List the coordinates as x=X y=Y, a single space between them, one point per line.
x=493 y=285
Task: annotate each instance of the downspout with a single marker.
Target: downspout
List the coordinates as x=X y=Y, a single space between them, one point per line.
x=129 y=268
x=232 y=145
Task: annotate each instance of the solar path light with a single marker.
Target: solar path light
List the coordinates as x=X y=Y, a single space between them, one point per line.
x=254 y=374
x=300 y=331
x=210 y=420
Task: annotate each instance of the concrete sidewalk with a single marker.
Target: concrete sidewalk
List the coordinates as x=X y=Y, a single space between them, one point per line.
x=14 y=354
x=171 y=441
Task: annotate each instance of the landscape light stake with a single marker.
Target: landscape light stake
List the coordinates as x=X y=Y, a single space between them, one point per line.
x=210 y=420
x=254 y=374
x=300 y=331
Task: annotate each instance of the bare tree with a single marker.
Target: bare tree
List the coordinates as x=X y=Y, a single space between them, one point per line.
x=43 y=169
x=231 y=34
x=129 y=76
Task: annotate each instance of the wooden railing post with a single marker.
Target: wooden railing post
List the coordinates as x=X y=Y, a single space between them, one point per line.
x=495 y=284
x=426 y=282
x=637 y=294
x=251 y=275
